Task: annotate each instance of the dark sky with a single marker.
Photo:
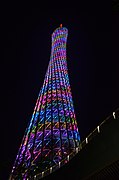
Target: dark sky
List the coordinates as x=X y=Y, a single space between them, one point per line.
x=92 y=55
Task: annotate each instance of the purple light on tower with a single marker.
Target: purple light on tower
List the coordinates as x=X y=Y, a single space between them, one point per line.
x=52 y=134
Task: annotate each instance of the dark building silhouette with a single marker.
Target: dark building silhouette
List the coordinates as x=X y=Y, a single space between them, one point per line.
x=98 y=157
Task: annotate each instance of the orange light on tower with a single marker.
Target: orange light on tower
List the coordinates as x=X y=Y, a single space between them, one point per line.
x=61 y=25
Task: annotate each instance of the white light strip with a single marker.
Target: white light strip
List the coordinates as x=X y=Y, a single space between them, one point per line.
x=42 y=174
x=86 y=140
x=77 y=150
x=68 y=158
x=59 y=164
x=98 y=127
x=51 y=170
x=114 y=115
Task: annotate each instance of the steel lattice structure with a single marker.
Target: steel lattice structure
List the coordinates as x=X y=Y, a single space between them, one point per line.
x=52 y=133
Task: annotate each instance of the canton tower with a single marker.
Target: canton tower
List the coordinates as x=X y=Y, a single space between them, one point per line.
x=52 y=134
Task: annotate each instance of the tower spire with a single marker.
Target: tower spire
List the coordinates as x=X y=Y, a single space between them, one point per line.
x=61 y=25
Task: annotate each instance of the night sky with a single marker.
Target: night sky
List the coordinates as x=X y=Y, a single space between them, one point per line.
x=92 y=55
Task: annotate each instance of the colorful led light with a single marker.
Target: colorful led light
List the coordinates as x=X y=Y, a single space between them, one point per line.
x=52 y=133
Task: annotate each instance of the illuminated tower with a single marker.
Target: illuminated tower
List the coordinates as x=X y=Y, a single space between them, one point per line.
x=52 y=134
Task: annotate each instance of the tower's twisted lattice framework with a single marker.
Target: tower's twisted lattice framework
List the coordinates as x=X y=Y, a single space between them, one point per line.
x=52 y=133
